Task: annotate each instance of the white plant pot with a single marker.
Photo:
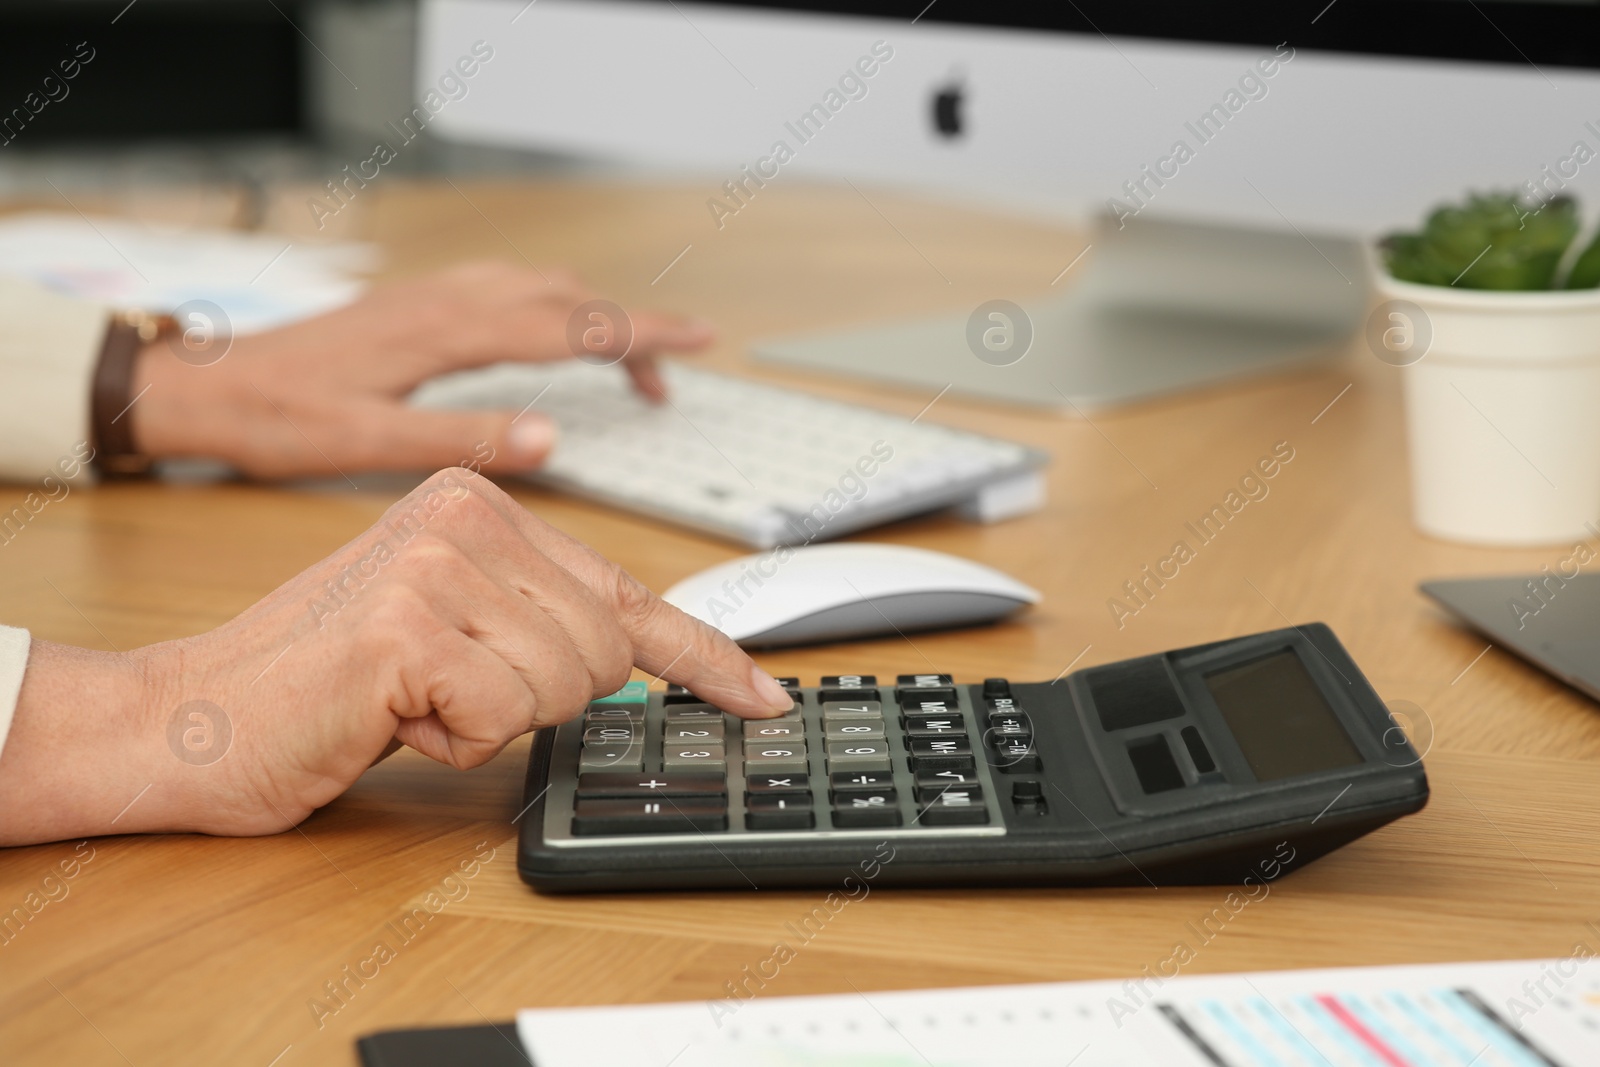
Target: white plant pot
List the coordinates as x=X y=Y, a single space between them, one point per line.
x=1502 y=408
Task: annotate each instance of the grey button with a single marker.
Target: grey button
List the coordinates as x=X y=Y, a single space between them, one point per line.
x=692 y=711
x=852 y=709
x=854 y=730
x=606 y=716
x=774 y=749
x=612 y=757
x=858 y=756
x=688 y=757
x=782 y=759
x=780 y=730
x=619 y=733
x=693 y=732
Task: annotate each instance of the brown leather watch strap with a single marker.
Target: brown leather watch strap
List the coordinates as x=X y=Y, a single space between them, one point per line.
x=111 y=396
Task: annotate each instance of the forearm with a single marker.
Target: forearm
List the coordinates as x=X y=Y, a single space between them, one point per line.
x=87 y=752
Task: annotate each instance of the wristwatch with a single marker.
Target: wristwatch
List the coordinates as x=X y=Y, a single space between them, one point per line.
x=111 y=394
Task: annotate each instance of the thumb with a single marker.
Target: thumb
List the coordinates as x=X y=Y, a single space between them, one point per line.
x=405 y=438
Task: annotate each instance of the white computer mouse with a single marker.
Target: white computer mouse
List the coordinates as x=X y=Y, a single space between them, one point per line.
x=793 y=596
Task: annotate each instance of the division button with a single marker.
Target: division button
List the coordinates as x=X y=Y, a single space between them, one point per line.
x=611 y=784
x=778 y=812
x=860 y=781
x=651 y=815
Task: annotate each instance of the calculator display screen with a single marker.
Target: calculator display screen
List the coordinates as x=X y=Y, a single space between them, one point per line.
x=1283 y=725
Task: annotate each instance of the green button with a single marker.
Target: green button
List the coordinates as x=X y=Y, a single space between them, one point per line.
x=632 y=693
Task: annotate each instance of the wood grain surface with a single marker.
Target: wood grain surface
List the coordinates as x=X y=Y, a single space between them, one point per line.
x=199 y=950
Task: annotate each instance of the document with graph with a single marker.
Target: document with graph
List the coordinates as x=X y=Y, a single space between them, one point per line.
x=1531 y=1013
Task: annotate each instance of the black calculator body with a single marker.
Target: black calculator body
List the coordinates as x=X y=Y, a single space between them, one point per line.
x=1215 y=764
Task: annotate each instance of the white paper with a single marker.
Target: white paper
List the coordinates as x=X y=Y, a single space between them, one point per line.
x=1532 y=1013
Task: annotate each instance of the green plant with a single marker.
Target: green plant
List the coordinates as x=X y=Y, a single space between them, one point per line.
x=1494 y=242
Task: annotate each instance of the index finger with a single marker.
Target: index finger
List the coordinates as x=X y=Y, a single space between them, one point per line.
x=666 y=642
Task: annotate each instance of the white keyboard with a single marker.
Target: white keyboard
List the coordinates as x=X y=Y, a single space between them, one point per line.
x=755 y=463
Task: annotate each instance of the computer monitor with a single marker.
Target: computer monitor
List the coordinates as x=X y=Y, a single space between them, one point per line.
x=1235 y=158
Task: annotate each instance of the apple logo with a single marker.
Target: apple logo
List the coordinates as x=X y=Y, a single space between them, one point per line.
x=947 y=109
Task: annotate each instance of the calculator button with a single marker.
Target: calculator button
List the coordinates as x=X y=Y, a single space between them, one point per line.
x=928 y=794
x=853 y=730
x=779 y=813
x=923 y=681
x=692 y=732
x=611 y=758
x=663 y=815
x=782 y=730
x=859 y=810
x=792 y=760
x=625 y=733
x=773 y=783
x=778 y=750
x=851 y=709
x=996 y=689
x=1005 y=705
x=632 y=693
x=849 y=681
x=603 y=716
x=677 y=694
x=1014 y=756
x=955 y=809
x=930 y=707
x=689 y=757
x=918 y=698
x=793 y=687
x=679 y=712
x=860 y=781
x=830 y=696
x=1007 y=726
x=858 y=755
x=929 y=748
x=648 y=785
x=935 y=726
x=945 y=779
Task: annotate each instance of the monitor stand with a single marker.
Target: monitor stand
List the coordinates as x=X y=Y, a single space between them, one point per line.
x=1159 y=306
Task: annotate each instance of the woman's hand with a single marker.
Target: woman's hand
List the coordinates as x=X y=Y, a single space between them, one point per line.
x=327 y=396
x=455 y=624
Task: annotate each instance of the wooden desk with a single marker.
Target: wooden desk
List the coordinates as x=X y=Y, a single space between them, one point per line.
x=189 y=949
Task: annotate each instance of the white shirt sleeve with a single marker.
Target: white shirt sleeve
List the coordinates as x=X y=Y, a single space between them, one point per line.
x=14 y=644
x=49 y=345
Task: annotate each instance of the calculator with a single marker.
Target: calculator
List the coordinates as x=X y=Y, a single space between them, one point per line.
x=1243 y=758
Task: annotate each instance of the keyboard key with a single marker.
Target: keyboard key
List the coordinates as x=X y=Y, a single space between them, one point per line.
x=860 y=781
x=1008 y=726
x=692 y=731
x=858 y=756
x=774 y=750
x=663 y=815
x=781 y=730
x=831 y=696
x=857 y=811
x=930 y=706
x=955 y=809
x=833 y=710
x=692 y=757
x=793 y=686
x=606 y=784
x=923 y=681
x=779 y=813
x=853 y=730
x=943 y=779
x=771 y=783
x=1014 y=756
x=935 y=726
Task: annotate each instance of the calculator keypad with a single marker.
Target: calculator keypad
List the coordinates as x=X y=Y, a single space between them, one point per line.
x=918 y=756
